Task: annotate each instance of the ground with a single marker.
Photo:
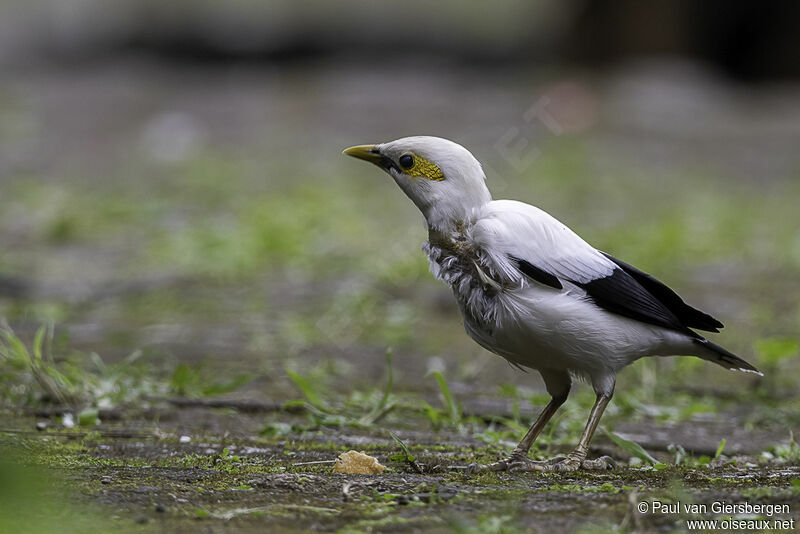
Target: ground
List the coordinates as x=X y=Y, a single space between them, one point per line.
x=214 y=468
x=202 y=297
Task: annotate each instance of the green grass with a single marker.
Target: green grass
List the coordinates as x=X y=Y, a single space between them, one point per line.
x=51 y=373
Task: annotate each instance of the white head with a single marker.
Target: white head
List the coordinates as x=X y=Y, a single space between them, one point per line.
x=441 y=177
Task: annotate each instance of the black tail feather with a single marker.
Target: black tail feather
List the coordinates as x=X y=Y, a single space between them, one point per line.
x=725 y=358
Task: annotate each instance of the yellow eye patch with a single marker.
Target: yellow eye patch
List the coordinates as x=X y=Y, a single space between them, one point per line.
x=422 y=168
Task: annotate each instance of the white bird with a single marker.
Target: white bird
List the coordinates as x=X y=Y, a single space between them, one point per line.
x=532 y=291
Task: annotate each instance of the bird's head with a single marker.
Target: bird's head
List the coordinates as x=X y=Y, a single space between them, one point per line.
x=441 y=177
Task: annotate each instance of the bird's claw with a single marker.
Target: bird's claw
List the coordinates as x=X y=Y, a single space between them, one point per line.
x=515 y=462
x=521 y=463
x=570 y=463
x=574 y=463
x=604 y=463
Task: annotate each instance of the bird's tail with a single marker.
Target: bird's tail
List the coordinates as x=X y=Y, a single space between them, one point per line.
x=715 y=353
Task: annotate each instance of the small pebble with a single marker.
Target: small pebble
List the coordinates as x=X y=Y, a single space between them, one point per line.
x=41 y=425
x=142 y=519
x=403 y=499
x=105 y=480
x=161 y=508
x=184 y=439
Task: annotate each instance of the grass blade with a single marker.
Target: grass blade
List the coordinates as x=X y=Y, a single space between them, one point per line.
x=720 y=448
x=452 y=407
x=38 y=342
x=382 y=407
x=389 y=382
x=226 y=387
x=305 y=386
x=409 y=458
x=631 y=447
x=17 y=351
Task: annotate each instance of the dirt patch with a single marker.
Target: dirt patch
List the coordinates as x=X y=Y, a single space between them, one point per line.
x=158 y=475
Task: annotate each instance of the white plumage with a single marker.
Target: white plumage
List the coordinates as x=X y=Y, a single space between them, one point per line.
x=531 y=290
x=515 y=228
x=547 y=328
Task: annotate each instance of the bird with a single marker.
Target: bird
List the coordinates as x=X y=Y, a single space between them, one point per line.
x=531 y=290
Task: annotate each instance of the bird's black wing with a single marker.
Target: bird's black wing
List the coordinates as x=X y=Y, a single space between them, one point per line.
x=632 y=293
x=540 y=275
x=688 y=316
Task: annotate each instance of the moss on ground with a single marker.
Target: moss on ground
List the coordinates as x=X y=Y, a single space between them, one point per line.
x=162 y=481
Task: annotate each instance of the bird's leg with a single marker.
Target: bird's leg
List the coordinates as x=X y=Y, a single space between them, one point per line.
x=518 y=460
x=558 y=384
x=577 y=458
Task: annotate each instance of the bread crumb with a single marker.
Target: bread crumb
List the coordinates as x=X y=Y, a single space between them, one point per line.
x=357 y=463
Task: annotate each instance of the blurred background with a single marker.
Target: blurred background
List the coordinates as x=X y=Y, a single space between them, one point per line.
x=171 y=179
x=174 y=205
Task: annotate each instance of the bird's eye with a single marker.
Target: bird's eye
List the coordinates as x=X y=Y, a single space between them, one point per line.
x=406 y=161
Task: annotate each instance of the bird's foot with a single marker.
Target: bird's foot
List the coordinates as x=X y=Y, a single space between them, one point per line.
x=604 y=463
x=517 y=461
x=575 y=462
x=521 y=463
x=572 y=462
